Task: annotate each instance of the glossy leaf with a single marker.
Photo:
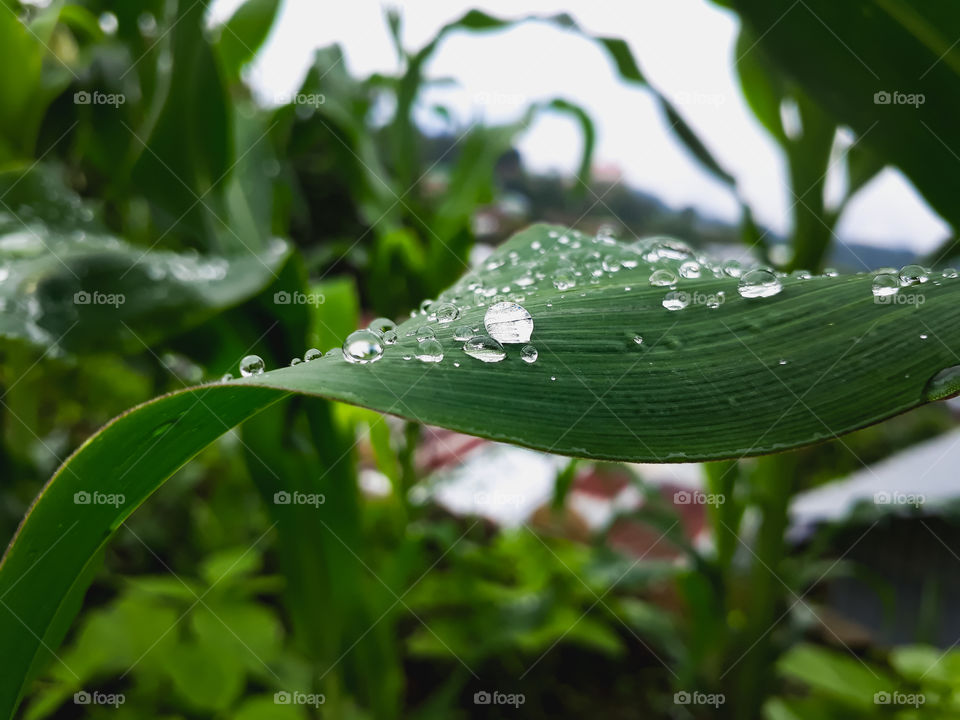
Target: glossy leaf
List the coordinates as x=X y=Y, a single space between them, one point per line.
x=618 y=376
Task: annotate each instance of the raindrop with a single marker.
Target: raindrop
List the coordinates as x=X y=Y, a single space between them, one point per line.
x=949 y=273
x=363 y=346
x=758 y=283
x=425 y=332
x=885 y=284
x=637 y=340
x=430 y=351
x=912 y=275
x=662 y=278
x=447 y=313
x=529 y=354
x=462 y=333
x=108 y=23
x=944 y=384
x=675 y=300
x=226 y=377
x=732 y=268
x=382 y=324
x=923 y=336
x=295 y=361
x=690 y=270
x=425 y=306
x=563 y=280
x=390 y=337
x=484 y=348
x=508 y=322
x=312 y=354
x=251 y=365
x=611 y=263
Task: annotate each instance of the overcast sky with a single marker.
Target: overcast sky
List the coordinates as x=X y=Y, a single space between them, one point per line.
x=685 y=48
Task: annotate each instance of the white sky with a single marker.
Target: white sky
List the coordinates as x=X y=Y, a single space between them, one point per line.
x=685 y=47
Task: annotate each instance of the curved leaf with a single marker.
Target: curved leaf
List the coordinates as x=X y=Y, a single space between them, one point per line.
x=724 y=377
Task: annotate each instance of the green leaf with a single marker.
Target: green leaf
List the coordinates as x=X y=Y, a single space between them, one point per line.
x=843 y=677
x=868 y=47
x=69 y=284
x=818 y=359
x=243 y=34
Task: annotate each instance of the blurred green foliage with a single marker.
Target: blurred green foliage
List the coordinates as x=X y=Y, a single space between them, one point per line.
x=134 y=159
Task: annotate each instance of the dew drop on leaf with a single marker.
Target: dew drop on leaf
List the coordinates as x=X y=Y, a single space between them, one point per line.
x=363 y=346
x=484 y=348
x=251 y=365
x=758 y=283
x=508 y=322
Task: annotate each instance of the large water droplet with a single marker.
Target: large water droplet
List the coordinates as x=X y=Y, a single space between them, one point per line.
x=430 y=351
x=944 y=384
x=885 y=284
x=295 y=361
x=690 y=270
x=363 y=346
x=447 y=312
x=484 y=348
x=529 y=354
x=425 y=332
x=913 y=275
x=312 y=354
x=251 y=365
x=662 y=277
x=508 y=322
x=758 y=283
x=462 y=333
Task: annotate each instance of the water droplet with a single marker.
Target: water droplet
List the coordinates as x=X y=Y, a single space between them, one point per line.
x=312 y=354
x=676 y=300
x=782 y=361
x=913 y=275
x=923 y=336
x=553 y=377
x=382 y=324
x=944 y=384
x=425 y=306
x=251 y=365
x=447 y=313
x=611 y=263
x=732 y=268
x=690 y=270
x=295 y=361
x=637 y=340
x=462 y=333
x=226 y=377
x=108 y=23
x=950 y=273
x=529 y=354
x=830 y=272
x=758 y=283
x=334 y=352
x=390 y=337
x=363 y=346
x=662 y=277
x=563 y=280
x=885 y=284
x=430 y=351
x=425 y=332
x=508 y=322
x=484 y=348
